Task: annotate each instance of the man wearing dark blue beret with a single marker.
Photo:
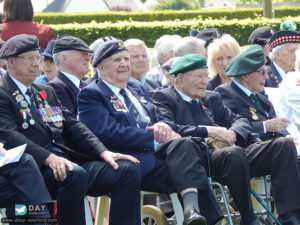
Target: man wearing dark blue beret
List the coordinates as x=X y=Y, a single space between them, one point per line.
x=71 y=57
x=72 y=160
x=278 y=157
x=121 y=114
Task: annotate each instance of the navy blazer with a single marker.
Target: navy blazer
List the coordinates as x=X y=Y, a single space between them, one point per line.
x=239 y=102
x=66 y=91
x=105 y=115
x=174 y=109
x=71 y=136
x=274 y=76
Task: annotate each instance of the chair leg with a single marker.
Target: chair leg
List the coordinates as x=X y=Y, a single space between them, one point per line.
x=102 y=211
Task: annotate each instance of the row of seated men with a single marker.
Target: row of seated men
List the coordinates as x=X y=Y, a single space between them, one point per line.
x=154 y=147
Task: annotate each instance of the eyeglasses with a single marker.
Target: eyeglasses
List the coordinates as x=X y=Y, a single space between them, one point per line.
x=199 y=77
x=262 y=72
x=32 y=58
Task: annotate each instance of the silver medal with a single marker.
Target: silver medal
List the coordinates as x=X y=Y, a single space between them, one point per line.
x=31 y=121
x=25 y=125
x=24 y=104
x=19 y=98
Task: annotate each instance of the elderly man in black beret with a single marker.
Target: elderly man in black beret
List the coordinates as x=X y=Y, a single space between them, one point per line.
x=71 y=57
x=71 y=159
x=262 y=36
x=277 y=154
x=283 y=47
x=121 y=114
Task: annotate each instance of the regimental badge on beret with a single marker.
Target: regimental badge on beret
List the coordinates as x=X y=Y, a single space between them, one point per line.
x=121 y=46
x=246 y=62
x=187 y=63
x=283 y=37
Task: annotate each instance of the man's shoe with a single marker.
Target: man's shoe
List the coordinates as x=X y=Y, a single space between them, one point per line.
x=290 y=221
x=194 y=218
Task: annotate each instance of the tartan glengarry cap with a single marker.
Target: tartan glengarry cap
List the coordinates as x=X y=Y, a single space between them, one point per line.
x=187 y=63
x=19 y=44
x=246 y=62
x=108 y=49
x=283 y=37
x=264 y=32
x=69 y=42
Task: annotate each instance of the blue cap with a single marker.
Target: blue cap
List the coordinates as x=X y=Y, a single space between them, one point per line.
x=48 y=51
x=108 y=49
x=19 y=44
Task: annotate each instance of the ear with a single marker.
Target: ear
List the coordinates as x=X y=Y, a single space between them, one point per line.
x=64 y=59
x=11 y=61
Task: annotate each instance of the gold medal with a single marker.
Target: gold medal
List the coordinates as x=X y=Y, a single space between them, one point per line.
x=255 y=117
x=25 y=125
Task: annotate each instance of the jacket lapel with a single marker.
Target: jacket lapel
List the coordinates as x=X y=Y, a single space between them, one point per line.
x=70 y=86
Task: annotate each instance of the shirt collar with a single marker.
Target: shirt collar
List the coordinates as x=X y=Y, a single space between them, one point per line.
x=114 y=88
x=140 y=81
x=184 y=96
x=75 y=80
x=281 y=72
x=243 y=88
x=21 y=86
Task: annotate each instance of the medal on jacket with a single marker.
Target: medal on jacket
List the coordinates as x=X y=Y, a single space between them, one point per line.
x=143 y=100
x=117 y=104
x=25 y=113
x=253 y=113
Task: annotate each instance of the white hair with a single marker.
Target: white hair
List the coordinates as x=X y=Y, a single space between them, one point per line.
x=137 y=42
x=189 y=45
x=274 y=50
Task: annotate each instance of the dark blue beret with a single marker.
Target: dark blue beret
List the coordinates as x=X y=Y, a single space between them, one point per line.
x=69 y=42
x=19 y=44
x=108 y=49
x=208 y=35
x=48 y=51
x=260 y=33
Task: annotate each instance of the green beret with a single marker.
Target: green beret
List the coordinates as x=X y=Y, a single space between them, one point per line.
x=246 y=62
x=187 y=63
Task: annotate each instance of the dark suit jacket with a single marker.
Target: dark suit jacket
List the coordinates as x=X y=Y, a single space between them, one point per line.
x=66 y=91
x=174 y=109
x=73 y=137
x=237 y=100
x=213 y=83
x=274 y=76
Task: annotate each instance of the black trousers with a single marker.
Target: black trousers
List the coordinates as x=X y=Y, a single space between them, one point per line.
x=278 y=158
x=275 y=157
x=22 y=183
x=97 y=178
x=178 y=167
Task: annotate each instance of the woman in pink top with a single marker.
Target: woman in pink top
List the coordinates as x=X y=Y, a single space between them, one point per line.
x=17 y=19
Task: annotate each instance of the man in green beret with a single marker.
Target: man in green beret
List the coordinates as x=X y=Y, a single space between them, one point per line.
x=201 y=113
x=243 y=96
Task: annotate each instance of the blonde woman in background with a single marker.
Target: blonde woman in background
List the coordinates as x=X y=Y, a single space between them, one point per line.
x=220 y=53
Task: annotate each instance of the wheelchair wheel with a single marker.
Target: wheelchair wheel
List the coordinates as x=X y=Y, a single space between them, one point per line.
x=152 y=215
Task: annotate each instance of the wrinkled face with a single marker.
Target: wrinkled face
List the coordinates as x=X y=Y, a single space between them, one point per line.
x=222 y=60
x=256 y=80
x=138 y=61
x=50 y=69
x=78 y=63
x=116 y=69
x=25 y=67
x=286 y=57
x=193 y=83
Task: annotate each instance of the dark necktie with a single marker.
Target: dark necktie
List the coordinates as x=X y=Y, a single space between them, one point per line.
x=30 y=94
x=82 y=84
x=198 y=113
x=141 y=121
x=257 y=102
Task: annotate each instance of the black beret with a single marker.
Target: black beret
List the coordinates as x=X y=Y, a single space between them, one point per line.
x=19 y=44
x=108 y=49
x=208 y=35
x=282 y=37
x=48 y=51
x=187 y=63
x=264 y=32
x=69 y=42
x=246 y=62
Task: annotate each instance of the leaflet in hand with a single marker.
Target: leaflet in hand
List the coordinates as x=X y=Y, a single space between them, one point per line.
x=12 y=155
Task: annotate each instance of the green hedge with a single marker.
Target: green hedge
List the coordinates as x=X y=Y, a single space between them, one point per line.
x=149 y=32
x=113 y=17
